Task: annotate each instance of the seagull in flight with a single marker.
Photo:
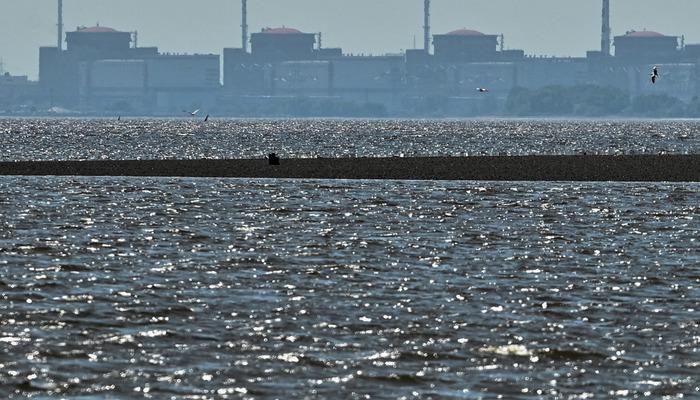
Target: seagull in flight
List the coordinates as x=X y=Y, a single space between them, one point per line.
x=482 y=90
x=654 y=74
x=192 y=113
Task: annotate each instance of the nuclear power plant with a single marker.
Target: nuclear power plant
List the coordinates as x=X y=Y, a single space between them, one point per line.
x=102 y=69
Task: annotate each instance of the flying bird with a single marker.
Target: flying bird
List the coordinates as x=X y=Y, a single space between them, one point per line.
x=482 y=90
x=654 y=74
x=206 y=118
x=192 y=113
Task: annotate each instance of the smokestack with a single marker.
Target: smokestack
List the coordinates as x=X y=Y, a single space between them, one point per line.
x=605 y=40
x=59 y=43
x=426 y=26
x=244 y=25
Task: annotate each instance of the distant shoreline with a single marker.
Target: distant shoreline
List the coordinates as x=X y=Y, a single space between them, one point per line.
x=633 y=168
x=552 y=118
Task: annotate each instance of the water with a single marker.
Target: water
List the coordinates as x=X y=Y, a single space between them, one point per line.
x=235 y=288
x=225 y=288
x=52 y=139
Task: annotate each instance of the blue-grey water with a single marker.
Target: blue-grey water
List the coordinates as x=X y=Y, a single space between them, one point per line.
x=234 y=288
x=79 y=139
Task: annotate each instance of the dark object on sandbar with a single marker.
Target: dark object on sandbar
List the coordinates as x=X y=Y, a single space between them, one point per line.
x=273 y=159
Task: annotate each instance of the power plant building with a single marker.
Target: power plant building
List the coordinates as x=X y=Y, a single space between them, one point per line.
x=646 y=47
x=99 y=42
x=282 y=44
x=465 y=45
x=17 y=92
x=285 y=62
x=101 y=70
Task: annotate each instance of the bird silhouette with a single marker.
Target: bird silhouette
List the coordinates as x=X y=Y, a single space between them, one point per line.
x=654 y=74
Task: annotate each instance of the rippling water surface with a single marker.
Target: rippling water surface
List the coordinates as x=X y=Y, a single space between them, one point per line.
x=216 y=288
x=51 y=139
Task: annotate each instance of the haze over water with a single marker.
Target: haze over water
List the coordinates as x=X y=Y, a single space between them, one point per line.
x=236 y=288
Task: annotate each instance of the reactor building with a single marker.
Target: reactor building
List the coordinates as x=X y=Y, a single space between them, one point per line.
x=285 y=62
x=103 y=69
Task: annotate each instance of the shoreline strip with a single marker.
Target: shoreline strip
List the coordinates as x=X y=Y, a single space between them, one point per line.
x=640 y=168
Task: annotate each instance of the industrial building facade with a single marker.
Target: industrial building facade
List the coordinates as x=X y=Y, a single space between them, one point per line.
x=462 y=61
x=102 y=69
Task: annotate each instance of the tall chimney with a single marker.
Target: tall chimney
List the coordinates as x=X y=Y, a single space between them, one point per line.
x=59 y=44
x=244 y=25
x=426 y=26
x=605 y=40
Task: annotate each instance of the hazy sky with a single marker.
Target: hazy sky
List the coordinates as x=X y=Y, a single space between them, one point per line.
x=547 y=27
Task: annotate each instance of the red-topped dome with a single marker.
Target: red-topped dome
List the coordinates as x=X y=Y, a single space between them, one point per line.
x=97 y=29
x=281 y=31
x=465 y=32
x=644 y=34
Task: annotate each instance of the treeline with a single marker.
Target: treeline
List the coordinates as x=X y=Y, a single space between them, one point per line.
x=596 y=101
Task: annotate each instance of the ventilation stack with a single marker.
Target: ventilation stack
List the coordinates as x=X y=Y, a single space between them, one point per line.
x=244 y=25
x=426 y=26
x=605 y=40
x=59 y=43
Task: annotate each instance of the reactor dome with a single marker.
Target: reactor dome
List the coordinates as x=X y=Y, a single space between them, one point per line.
x=97 y=29
x=465 y=32
x=281 y=31
x=644 y=34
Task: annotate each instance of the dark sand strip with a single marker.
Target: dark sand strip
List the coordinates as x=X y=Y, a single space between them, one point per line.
x=653 y=168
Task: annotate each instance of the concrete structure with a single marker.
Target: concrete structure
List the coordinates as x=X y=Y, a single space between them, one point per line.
x=243 y=74
x=304 y=78
x=59 y=70
x=59 y=38
x=464 y=45
x=282 y=44
x=606 y=31
x=17 y=93
x=114 y=85
x=284 y=63
x=102 y=71
x=244 y=25
x=161 y=84
x=426 y=26
x=535 y=72
x=183 y=82
x=167 y=71
x=646 y=46
x=288 y=66
x=98 y=42
x=378 y=80
x=463 y=60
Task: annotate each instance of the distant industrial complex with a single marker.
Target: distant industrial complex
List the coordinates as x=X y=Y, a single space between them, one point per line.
x=102 y=70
